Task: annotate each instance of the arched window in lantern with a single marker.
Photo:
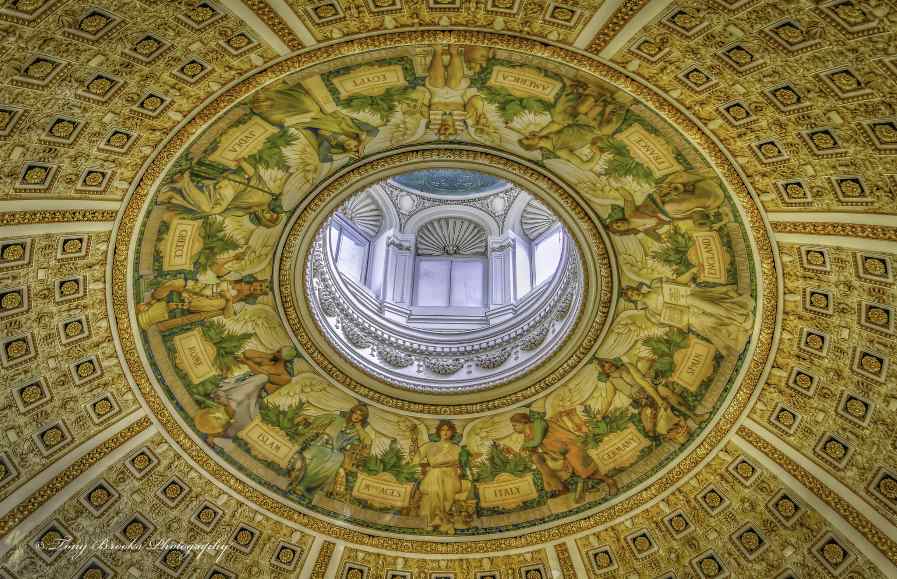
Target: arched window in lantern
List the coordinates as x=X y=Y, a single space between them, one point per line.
x=352 y=230
x=450 y=266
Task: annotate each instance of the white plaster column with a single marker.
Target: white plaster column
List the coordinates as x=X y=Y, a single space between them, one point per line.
x=501 y=272
x=399 y=269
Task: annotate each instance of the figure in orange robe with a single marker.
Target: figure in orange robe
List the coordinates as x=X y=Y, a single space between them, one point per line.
x=549 y=440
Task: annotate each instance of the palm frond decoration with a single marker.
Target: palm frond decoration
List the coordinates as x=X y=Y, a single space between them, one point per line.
x=285 y=419
x=674 y=252
x=271 y=156
x=511 y=106
x=502 y=460
x=600 y=426
x=663 y=348
x=215 y=242
x=227 y=345
x=622 y=164
x=383 y=105
x=392 y=460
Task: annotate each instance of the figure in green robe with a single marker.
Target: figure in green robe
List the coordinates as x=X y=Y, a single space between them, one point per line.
x=337 y=443
x=334 y=132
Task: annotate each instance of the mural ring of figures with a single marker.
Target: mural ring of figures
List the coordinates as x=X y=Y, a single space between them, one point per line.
x=281 y=175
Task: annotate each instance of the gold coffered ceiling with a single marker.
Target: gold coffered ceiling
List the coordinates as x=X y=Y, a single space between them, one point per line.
x=792 y=101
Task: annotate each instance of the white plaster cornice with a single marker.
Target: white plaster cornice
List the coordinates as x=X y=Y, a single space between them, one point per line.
x=644 y=16
x=293 y=21
x=576 y=559
x=54 y=469
x=845 y=242
x=833 y=217
x=261 y=29
x=57 y=205
x=9 y=231
x=595 y=23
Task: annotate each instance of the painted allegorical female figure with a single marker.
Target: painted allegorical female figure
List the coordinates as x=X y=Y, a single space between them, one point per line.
x=339 y=442
x=224 y=197
x=681 y=195
x=720 y=314
x=440 y=463
x=334 y=133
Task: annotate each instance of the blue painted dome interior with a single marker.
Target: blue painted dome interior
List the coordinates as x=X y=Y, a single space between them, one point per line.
x=459 y=182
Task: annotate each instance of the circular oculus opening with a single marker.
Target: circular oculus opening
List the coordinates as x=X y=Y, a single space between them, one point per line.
x=444 y=280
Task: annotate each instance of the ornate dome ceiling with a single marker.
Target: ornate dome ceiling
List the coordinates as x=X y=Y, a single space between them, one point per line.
x=239 y=331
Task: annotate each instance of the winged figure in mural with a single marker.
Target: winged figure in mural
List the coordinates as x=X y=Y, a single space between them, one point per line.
x=634 y=256
x=208 y=190
x=255 y=246
x=259 y=319
x=337 y=443
x=407 y=124
x=555 y=444
x=444 y=481
x=480 y=434
x=610 y=393
x=240 y=395
x=304 y=166
x=605 y=385
x=550 y=440
x=719 y=313
x=330 y=432
x=684 y=194
x=582 y=119
x=335 y=133
x=339 y=436
x=484 y=122
x=181 y=301
x=681 y=195
x=626 y=334
x=684 y=316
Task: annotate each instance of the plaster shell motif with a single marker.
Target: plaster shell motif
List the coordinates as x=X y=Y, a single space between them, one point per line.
x=347 y=134
x=442 y=365
x=576 y=346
